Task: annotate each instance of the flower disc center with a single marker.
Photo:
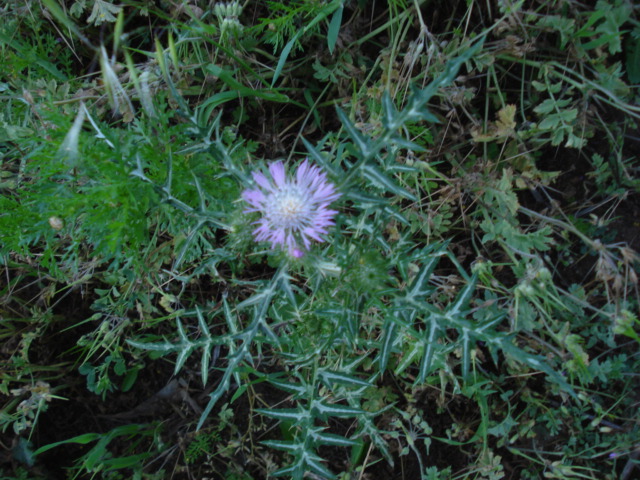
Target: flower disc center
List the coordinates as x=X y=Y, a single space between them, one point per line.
x=288 y=209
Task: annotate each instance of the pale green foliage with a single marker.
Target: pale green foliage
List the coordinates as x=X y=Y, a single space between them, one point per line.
x=102 y=11
x=555 y=117
x=228 y=13
x=281 y=26
x=501 y=223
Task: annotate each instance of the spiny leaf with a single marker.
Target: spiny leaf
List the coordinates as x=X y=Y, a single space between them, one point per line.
x=286 y=445
x=361 y=144
x=342 y=378
x=420 y=287
x=535 y=362
x=165 y=347
x=374 y=175
x=335 y=440
x=389 y=329
x=461 y=303
x=315 y=463
x=287 y=414
x=335 y=410
x=430 y=343
x=390 y=112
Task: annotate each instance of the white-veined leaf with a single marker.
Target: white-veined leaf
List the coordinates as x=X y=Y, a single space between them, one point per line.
x=283 y=413
x=335 y=440
x=285 y=445
x=373 y=174
x=354 y=133
x=335 y=410
x=342 y=378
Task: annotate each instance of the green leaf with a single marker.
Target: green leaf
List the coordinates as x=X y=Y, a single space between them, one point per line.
x=413 y=356
x=165 y=347
x=460 y=305
x=503 y=428
x=289 y=387
x=217 y=99
x=546 y=107
x=295 y=472
x=465 y=340
x=103 y=12
x=389 y=335
x=632 y=60
x=27 y=52
x=129 y=379
x=430 y=345
x=314 y=462
x=283 y=57
x=539 y=86
x=206 y=350
x=374 y=175
x=421 y=97
x=365 y=200
x=564 y=26
x=316 y=155
x=125 y=462
x=334 y=28
x=420 y=287
x=568 y=116
x=342 y=378
x=525 y=242
x=407 y=144
x=11 y=133
x=22 y=453
x=557 y=136
x=80 y=439
x=549 y=122
x=335 y=410
x=390 y=112
x=285 y=445
x=355 y=134
x=536 y=362
x=335 y=440
x=238 y=89
x=283 y=413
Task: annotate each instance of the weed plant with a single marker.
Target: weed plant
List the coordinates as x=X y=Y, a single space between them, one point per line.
x=319 y=239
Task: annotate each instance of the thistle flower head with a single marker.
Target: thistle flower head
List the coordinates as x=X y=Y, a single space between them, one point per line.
x=294 y=209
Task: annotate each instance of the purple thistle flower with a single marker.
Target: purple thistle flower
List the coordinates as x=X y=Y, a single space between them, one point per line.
x=293 y=209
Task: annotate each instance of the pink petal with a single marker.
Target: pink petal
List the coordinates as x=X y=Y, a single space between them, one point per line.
x=262 y=181
x=278 y=174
